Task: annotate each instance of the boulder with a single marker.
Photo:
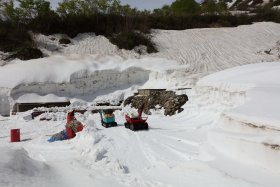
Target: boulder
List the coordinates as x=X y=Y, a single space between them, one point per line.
x=64 y=41
x=168 y=100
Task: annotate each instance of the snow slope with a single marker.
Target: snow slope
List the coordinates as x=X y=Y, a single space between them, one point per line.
x=204 y=50
x=227 y=135
x=250 y=132
x=198 y=147
x=78 y=65
x=262 y=82
x=215 y=49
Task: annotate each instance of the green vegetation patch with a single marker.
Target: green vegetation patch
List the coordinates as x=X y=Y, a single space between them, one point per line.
x=129 y=40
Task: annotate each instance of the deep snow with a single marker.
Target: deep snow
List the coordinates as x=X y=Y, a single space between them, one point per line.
x=227 y=135
x=205 y=51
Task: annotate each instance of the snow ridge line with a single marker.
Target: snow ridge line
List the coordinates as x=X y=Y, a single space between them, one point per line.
x=243 y=140
x=81 y=84
x=248 y=123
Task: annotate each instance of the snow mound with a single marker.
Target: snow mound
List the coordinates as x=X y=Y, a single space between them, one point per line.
x=16 y=164
x=261 y=81
x=82 y=44
x=249 y=131
x=115 y=98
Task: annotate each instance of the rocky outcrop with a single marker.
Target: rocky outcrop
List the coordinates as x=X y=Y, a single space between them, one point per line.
x=168 y=100
x=64 y=41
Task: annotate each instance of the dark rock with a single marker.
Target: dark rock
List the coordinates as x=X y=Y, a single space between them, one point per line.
x=64 y=41
x=168 y=100
x=128 y=100
x=268 y=52
x=180 y=110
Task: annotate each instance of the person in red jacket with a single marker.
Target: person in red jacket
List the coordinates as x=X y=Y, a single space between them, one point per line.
x=71 y=128
x=73 y=125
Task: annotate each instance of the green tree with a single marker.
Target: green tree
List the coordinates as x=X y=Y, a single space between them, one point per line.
x=1 y=5
x=214 y=7
x=126 y=10
x=88 y=7
x=71 y=7
x=115 y=7
x=209 y=7
x=165 y=10
x=222 y=7
x=103 y=5
x=30 y=9
x=185 y=7
x=7 y=10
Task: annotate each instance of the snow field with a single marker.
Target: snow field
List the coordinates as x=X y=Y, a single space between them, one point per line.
x=227 y=135
x=215 y=49
x=174 y=152
x=205 y=51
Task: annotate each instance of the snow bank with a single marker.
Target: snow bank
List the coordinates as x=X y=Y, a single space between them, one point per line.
x=33 y=97
x=4 y=102
x=205 y=51
x=249 y=132
x=18 y=169
x=261 y=81
x=116 y=98
x=60 y=78
x=60 y=69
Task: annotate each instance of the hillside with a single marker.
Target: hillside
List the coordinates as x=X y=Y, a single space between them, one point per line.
x=204 y=51
x=196 y=53
x=227 y=134
x=251 y=5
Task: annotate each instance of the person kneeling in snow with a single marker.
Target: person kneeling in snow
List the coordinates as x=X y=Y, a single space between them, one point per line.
x=71 y=128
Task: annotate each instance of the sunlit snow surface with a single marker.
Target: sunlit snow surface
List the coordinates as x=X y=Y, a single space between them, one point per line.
x=227 y=135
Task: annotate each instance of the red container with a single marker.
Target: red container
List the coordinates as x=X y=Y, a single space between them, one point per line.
x=15 y=135
x=70 y=133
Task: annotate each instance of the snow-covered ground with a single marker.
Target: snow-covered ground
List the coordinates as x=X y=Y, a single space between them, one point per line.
x=227 y=135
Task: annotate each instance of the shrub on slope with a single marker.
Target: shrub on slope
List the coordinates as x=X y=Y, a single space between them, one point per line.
x=18 y=43
x=129 y=40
